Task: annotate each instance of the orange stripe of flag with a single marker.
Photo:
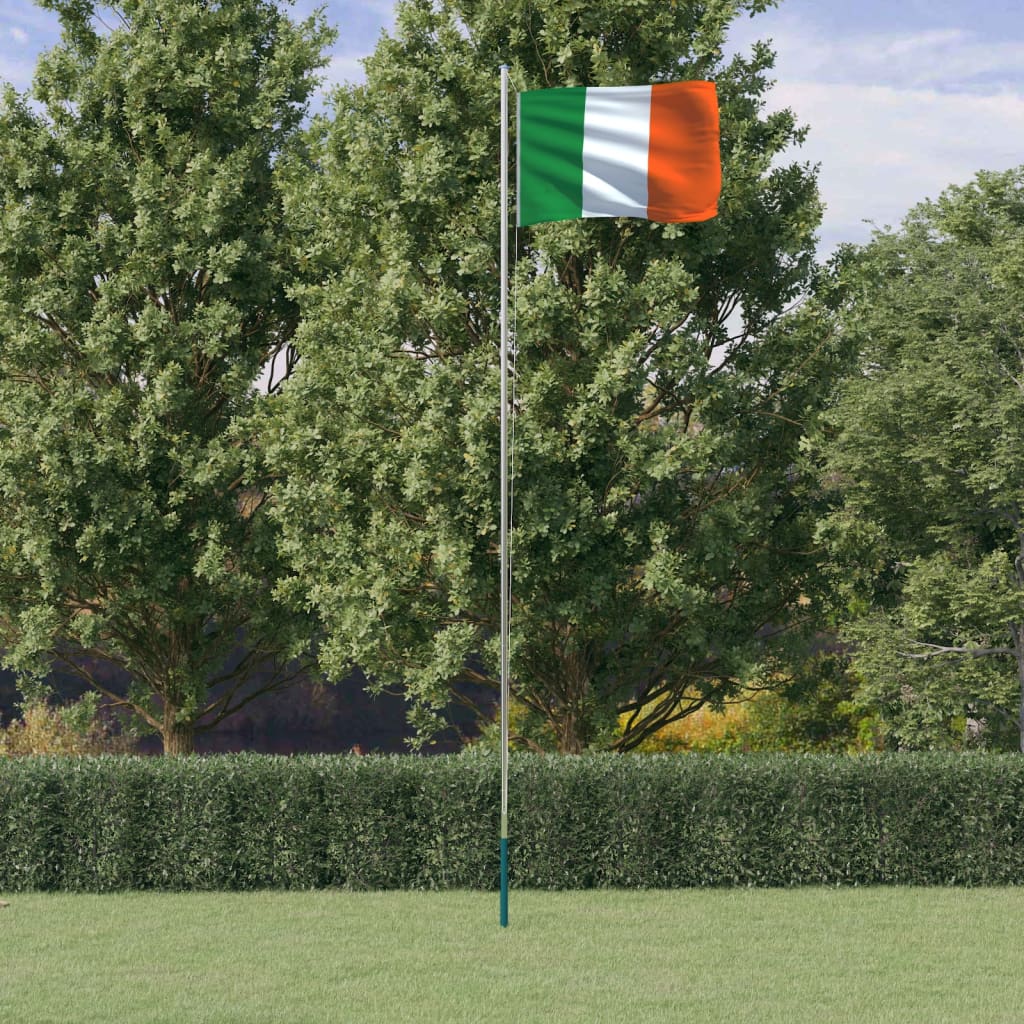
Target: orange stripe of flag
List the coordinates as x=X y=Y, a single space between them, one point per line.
x=684 y=166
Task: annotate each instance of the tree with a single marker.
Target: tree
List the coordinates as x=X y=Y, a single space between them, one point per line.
x=661 y=538
x=143 y=284
x=925 y=458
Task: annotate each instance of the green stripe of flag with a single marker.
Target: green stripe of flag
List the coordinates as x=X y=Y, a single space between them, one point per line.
x=550 y=180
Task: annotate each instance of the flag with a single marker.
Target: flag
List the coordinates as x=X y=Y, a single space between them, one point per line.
x=648 y=151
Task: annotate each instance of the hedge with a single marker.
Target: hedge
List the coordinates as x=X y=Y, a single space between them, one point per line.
x=250 y=821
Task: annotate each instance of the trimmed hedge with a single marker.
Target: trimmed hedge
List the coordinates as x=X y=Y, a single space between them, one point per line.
x=249 y=821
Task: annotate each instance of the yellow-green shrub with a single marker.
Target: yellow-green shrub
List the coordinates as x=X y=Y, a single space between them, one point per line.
x=805 y=716
x=70 y=729
x=705 y=730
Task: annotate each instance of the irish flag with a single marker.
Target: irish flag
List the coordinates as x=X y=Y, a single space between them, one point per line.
x=647 y=151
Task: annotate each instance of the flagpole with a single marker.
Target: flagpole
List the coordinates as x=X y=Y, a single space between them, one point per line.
x=505 y=581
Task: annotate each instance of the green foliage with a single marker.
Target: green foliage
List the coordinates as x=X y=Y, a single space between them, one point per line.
x=661 y=516
x=658 y=821
x=924 y=457
x=527 y=730
x=143 y=273
x=816 y=710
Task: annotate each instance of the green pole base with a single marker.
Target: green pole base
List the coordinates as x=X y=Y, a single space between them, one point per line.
x=504 y=882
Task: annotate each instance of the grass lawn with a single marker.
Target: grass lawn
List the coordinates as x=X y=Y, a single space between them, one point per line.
x=916 y=956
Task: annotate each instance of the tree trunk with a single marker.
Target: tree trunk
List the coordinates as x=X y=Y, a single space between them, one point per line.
x=178 y=737
x=569 y=739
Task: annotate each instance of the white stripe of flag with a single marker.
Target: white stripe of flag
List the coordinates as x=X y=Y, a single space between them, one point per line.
x=616 y=142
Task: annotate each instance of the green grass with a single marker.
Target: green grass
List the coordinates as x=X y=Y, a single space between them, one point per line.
x=870 y=956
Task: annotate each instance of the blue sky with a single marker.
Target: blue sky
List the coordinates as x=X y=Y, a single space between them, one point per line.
x=903 y=97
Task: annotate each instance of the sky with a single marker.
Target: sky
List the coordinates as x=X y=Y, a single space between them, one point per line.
x=902 y=97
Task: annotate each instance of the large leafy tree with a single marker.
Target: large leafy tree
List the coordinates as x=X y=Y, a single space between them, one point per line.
x=925 y=457
x=143 y=274
x=661 y=538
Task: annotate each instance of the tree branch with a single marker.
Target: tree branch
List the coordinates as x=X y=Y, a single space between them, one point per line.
x=937 y=650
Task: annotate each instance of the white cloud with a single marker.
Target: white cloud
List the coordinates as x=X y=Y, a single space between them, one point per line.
x=883 y=149
x=894 y=118
x=16 y=71
x=927 y=40
x=25 y=31
x=944 y=59
x=344 y=68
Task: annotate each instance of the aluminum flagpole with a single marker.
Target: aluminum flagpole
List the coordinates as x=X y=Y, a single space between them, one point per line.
x=505 y=581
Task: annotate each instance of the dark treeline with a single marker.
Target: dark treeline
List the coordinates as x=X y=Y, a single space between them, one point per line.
x=309 y=718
